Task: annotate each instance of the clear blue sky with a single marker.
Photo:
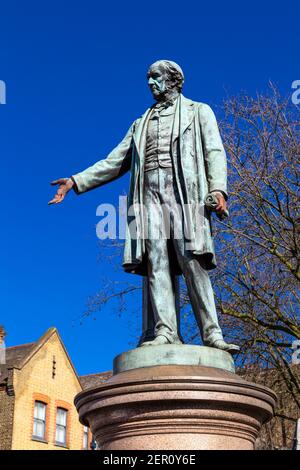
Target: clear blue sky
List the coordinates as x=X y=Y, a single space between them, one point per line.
x=75 y=75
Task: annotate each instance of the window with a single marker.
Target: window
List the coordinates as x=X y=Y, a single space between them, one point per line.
x=85 y=438
x=61 y=426
x=39 y=420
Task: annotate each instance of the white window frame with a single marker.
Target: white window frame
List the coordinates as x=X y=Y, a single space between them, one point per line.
x=39 y=418
x=61 y=426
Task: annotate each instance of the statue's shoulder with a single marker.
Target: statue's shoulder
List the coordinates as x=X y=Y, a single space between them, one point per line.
x=203 y=108
x=136 y=123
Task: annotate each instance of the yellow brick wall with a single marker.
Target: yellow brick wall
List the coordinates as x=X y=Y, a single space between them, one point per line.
x=35 y=381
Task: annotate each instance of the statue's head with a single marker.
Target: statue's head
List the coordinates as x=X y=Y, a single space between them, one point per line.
x=163 y=77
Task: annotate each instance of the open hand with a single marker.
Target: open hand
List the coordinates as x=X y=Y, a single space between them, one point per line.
x=65 y=185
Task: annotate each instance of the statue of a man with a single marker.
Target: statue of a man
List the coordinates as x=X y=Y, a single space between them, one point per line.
x=176 y=158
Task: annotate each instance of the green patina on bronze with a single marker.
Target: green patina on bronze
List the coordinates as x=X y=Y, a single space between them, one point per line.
x=176 y=158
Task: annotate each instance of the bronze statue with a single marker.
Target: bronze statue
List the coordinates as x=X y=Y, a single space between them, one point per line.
x=177 y=163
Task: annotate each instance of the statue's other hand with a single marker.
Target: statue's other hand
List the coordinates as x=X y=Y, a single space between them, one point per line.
x=221 y=207
x=65 y=185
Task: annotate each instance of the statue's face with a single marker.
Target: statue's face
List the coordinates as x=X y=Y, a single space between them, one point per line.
x=157 y=81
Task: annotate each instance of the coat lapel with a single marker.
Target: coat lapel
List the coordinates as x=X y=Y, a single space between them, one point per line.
x=184 y=115
x=139 y=135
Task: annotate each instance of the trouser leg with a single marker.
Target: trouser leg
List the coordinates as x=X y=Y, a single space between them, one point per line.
x=197 y=278
x=161 y=280
x=202 y=299
x=162 y=290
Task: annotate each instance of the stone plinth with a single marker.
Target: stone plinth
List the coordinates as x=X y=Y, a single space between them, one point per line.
x=173 y=354
x=175 y=407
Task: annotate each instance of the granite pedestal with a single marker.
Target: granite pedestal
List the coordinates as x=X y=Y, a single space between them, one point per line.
x=180 y=400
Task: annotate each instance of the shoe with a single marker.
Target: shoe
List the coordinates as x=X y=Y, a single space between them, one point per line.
x=221 y=344
x=159 y=340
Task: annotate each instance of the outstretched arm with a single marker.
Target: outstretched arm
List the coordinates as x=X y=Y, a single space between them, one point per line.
x=115 y=165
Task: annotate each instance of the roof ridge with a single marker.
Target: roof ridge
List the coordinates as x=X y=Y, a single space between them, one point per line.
x=97 y=373
x=20 y=345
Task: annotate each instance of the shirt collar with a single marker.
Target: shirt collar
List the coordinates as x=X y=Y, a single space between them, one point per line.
x=160 y=106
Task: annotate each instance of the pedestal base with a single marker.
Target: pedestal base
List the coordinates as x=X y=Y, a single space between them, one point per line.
x=176 y=407
x=173 y=354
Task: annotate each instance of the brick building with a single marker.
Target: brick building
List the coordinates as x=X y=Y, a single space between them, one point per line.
x=38 y=384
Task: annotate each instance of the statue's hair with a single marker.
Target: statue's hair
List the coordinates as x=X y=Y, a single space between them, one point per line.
x=173 y=70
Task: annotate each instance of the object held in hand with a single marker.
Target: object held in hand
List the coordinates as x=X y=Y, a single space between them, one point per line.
x=211 y=202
